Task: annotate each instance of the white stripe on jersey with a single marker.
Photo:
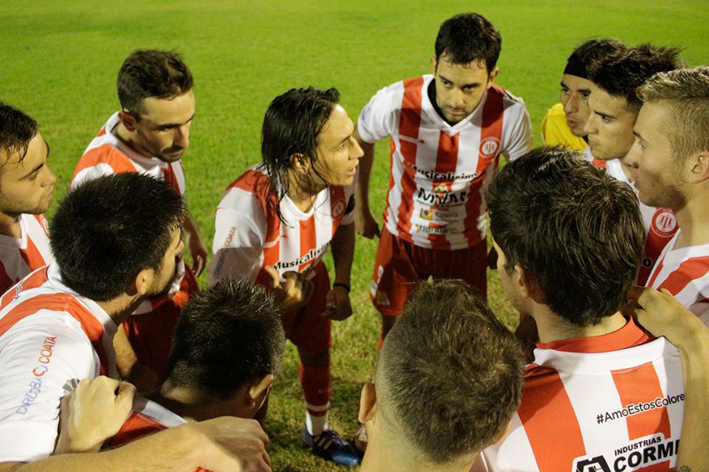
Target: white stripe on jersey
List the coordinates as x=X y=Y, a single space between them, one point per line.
x=33 y=244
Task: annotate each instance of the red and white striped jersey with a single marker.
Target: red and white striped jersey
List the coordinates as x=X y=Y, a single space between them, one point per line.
x=600 y=163
x=19 y=257
x=249 y=235
x=660 y=225
x=50 y=338
x=438 y=170
x=146 y=418
x=612 y=402
x=685 y=273
x=107 y=155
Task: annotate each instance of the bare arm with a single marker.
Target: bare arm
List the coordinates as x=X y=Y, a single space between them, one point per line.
x=338 y=299
x=128 y=366
x=195 y=244
x=662 y=315
x=365 y=222
x=222 y=444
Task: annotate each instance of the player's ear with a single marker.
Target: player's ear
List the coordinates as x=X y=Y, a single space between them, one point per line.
x=143 y=281
x=699 y=167
x=259 y=389
x=300 y=163
x=434 y=64
x=367 y=403
x=528 y=285
x=127 y=119
x=492 y=76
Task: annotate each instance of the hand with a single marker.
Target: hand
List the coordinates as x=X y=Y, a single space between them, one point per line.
x=338 y=304
x=293 y=292
x=662 y=315
x=365 y=223
x=198 y=252
x=233 y=444
x=92 y=413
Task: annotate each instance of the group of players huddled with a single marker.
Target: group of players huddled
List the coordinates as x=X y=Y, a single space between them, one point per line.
x=617 y=379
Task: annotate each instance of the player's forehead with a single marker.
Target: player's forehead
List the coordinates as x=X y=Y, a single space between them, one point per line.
x=575 y=83
x=35 y=155
x=601 y=101
x=338 y=127
x=163 y=111
x=475 y=70
x=652 y=122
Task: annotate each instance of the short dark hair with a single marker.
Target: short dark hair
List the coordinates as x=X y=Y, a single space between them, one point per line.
x=575 y=229
x=621 y=75
x=292 y=125
x=227 y=335
x=16 y=130
x=591 y=51
x=449 y=374
x=469 y=37
x=110 y=228
x=150 y=73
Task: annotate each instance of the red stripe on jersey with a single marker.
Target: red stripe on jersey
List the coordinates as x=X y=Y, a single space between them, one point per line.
x=136 y=426
x=648 y=422
x=488 y=155
x=101 y=132
x=257 y=184
x=446 y=162
x=63 y=302
x=308 y=240
x=338 y=207
x=34 y=280
x=409 y=122
x=599 y=163
x=170 y=177
x=689 y=270
x=549 y=404
x=104 y=154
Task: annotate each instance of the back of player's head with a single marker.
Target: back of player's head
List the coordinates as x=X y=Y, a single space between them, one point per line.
x=573 y=228
x=291 y=127
x=109 y=229
x=449 y=375
x=149 y=73
x=686 y=94
x=16 y=131
x=590 y=51
x=227 y=336
x=469 y=37
x=621 y=75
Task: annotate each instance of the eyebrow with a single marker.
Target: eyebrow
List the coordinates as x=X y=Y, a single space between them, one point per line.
x=603 y=115
x=471 y=84
x=175 y=125
x=39 y=166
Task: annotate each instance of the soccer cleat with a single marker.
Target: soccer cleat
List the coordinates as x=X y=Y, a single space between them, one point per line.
x=329 y=445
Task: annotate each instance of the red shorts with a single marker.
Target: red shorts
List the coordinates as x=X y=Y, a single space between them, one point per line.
x=400 y=265
x=150 y=334
x=306 y=327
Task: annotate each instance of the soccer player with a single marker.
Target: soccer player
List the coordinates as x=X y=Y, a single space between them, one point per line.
x=448 y=380
x=671 y=153
x=564 y=122
x=275 y=222
x=447 y=132
x=116 y=241
x=149 y=135
x=26 y=188
x=615 y=104
x=569 y=239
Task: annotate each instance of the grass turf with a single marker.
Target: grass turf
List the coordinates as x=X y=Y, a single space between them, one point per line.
x=60 y=59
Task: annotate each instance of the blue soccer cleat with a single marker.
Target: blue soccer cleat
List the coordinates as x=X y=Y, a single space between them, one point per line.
x=329 y=445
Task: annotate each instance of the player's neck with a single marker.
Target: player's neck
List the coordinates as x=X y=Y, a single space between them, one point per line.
x=10 y=225
x=552 y=327
x=303 y=191
x=693 y=221
x=127 y=137
x=120 y=308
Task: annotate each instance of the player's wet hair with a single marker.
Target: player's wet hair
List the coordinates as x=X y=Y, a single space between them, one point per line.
x=227 y=336
x=292 y=125
x=149 y=73
x=469 y=37
x=573 y=228
x=16 y=131
x=449 y=374
x=109 y=229
x=622 y=75
x=591 y=51
x=685 y=93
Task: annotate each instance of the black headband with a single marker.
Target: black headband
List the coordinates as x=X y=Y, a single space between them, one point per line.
x=575 y=67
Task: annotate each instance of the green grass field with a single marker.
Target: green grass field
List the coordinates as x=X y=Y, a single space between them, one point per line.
x=59 y=61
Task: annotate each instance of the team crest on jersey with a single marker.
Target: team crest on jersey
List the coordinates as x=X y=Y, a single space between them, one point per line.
x=489 y=147
x=664 y=223
x=339 y=209
x=427 y=215
x=45 y=225
x=441 y=189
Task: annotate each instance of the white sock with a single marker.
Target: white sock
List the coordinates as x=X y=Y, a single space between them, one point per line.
x=316 y=424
